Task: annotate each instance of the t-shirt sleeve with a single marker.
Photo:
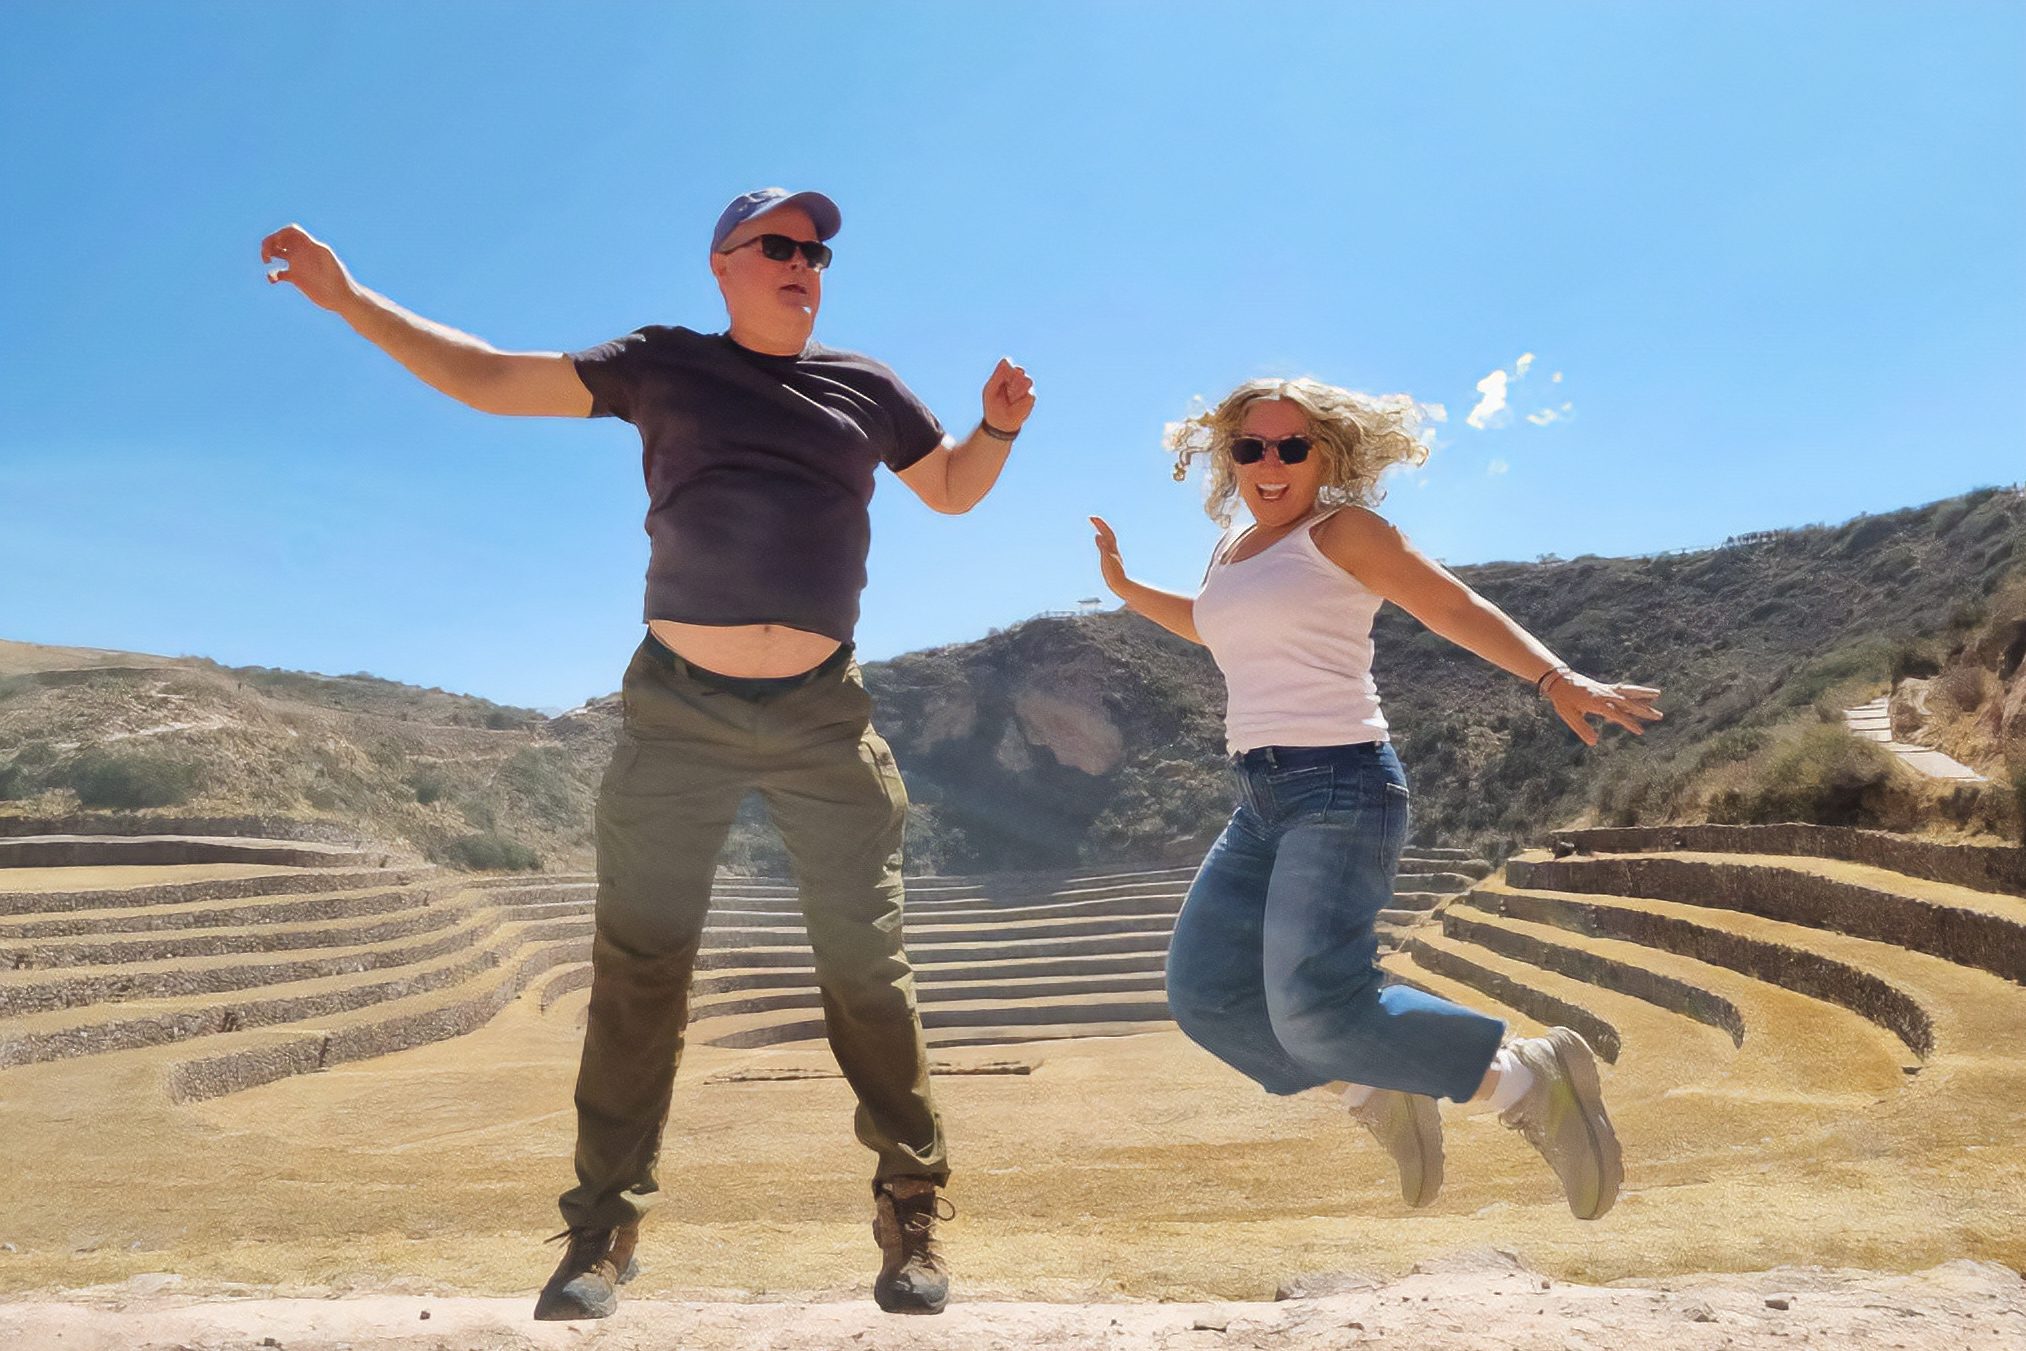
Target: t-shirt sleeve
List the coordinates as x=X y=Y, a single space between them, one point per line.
x=916 y=431
x=611 y=371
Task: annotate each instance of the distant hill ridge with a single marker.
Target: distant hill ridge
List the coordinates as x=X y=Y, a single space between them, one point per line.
x=1082 y=738
x=1102 y=734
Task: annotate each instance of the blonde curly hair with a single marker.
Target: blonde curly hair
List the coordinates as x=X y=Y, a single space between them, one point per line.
x=1358 y=436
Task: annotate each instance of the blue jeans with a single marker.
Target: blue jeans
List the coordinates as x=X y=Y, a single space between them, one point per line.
x=1274 y=964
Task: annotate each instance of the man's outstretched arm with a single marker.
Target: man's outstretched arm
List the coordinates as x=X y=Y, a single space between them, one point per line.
x=468 y=369
x=953 y=479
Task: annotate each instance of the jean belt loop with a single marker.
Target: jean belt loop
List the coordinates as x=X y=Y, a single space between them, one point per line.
x=1272 y=760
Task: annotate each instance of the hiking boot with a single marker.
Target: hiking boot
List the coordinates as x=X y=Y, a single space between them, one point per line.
x=1410 y=1128
x=1562 y=1115
x=594 y=1266
x=913 y=1278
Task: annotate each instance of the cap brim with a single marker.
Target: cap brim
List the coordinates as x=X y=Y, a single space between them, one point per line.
x=823 y=213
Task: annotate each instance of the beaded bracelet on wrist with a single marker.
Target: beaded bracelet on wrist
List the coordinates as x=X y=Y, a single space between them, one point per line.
x=996 y=434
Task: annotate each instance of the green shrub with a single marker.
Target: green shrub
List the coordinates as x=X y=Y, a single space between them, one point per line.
x=1730 y=746
x=1951 y=515
x=1965 y=688
x=1912 y=657
x=487 y=853
x=1967 y=614
x=429 y=785
x=13 y=782
x=1864 y=660
x=1823 y=776
x=110 y=779
x=538 y=778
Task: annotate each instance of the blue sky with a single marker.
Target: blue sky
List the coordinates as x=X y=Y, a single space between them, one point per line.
x=1773 y=252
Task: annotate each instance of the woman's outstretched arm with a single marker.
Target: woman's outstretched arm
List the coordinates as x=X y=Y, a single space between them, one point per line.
x=1173 y=612
x=1369 y=548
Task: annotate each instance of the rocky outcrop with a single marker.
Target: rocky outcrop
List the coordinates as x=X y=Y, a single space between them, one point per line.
x=1071 y=725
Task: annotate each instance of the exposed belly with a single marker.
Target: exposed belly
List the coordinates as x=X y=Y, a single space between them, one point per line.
x=752 y=651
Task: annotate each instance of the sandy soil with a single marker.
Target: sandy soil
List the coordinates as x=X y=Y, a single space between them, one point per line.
x=1113 y=1173
x=119 y=877
x=1477 y=1301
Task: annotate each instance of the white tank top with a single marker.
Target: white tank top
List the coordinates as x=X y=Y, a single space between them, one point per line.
x=1292 y=633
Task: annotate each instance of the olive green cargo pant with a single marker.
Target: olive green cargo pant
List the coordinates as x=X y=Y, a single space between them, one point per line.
x=688 y=755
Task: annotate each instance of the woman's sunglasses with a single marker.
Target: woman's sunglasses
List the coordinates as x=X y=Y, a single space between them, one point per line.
x=780 y=248
x=1252 y=449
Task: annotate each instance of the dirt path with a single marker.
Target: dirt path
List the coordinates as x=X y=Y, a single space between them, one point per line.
x=1473 y=1301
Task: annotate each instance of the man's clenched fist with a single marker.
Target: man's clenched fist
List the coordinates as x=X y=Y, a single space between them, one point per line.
x=309 y=265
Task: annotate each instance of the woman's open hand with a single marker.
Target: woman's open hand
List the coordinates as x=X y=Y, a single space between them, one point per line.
x=1108 y=559
x=1578 y=699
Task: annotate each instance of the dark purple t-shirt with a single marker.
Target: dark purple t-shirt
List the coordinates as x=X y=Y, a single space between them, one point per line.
x=759 y=471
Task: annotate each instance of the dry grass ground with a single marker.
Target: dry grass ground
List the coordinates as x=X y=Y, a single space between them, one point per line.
x=1133 y=1167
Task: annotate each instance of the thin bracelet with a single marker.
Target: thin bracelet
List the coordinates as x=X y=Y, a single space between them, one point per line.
x=995 y=433
x=1540 y=685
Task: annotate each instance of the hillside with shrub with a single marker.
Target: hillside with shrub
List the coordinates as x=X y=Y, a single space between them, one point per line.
x=1098 y=736
x=457 y=779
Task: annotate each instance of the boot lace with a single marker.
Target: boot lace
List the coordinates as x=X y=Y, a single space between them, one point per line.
x=918 y=1224
x=587 y=1246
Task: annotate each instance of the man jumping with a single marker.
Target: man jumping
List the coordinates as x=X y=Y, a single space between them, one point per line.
x=759 y=447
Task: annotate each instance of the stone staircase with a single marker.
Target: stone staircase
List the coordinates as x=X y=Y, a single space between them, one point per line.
x=236 y=961
x=1794 y=958
x=1873 y=722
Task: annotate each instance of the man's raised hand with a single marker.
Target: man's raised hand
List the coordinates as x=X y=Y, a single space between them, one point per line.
x=309 y=265
x=1009 y=396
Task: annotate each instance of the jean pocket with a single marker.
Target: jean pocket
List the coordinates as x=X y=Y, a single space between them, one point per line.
x=1302 y=793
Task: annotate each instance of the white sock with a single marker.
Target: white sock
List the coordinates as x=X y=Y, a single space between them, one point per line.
x=1514 y=1079
x=1355 y=1095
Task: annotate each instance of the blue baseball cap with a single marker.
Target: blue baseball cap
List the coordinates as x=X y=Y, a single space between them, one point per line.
x=823 y=213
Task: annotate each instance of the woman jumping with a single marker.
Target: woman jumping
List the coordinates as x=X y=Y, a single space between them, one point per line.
x=1274 y=963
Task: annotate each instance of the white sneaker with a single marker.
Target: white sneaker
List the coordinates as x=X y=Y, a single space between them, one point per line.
x=1410 y=1128
x=1562 y=1116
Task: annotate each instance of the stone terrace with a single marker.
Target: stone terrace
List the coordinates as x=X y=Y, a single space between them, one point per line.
x=1789 y=959
x=253 y=959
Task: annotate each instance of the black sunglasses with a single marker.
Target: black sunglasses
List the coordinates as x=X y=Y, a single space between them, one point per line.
x=1252 y=449
x=780 y=248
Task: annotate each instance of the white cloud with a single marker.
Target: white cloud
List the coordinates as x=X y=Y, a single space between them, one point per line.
x=1492 y=387
x=1547 y=415
x=1495 y=388
x=1435 y=412
x=1497 y=467
x=1556 y=378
